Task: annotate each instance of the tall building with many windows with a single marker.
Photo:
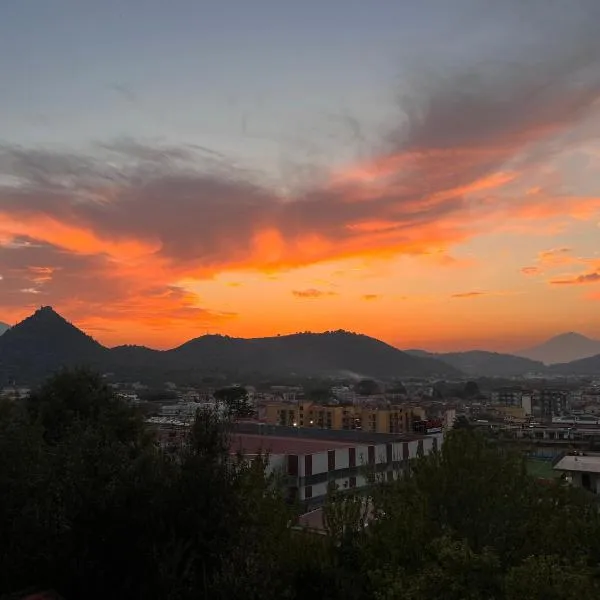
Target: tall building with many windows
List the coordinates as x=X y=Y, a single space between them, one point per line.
x=391 y=419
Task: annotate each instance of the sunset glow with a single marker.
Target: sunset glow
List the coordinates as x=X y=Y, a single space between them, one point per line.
x=473 y=221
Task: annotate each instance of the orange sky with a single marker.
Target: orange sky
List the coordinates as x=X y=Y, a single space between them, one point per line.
x=494 y=262
x=469 y=217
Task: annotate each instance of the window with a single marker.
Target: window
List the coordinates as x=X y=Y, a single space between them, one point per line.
x=352 y=457
x=371 y=455
x=308 y=491
x=331 y=460
x=292 y=464
x=308 y=465
x=352 y=482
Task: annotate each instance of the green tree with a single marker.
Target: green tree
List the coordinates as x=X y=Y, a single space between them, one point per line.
x=236 y=400
x=367 y=387
x=471 y=389
x=89 y=505
x=550 y=578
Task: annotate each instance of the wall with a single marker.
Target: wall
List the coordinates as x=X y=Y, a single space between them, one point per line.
x=347 y=475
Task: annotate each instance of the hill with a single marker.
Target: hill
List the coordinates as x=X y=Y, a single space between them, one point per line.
x=584 y=366
x=3 y=327
x=330 y=353
x=563 y=348
x=44 y=342
x=480 y=363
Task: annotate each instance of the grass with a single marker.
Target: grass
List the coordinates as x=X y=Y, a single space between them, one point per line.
x=541 y=468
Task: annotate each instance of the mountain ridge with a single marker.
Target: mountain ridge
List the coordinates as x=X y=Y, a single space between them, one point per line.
x=484 y=363
x=45 y=341
x=562 y=348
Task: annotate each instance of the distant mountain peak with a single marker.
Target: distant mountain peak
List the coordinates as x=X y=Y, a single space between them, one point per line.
x=43 y=342
x=569 y=335
x=563 y=348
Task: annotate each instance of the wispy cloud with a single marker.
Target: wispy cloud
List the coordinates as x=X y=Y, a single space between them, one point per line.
x=312 y=293
x=531 y=270
x=369 y=297
x=585 y=278
x=473 y=294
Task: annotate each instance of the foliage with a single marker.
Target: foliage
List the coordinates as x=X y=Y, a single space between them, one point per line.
x=237 y=401
x=471 y=389
x=367 y=387
x=90 y=506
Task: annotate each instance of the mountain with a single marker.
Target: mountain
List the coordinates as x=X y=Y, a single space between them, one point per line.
x=3 y=327
x=583 y=366
x=44 y=342
x=327 y=353
x=479 y=363
x=563 y=348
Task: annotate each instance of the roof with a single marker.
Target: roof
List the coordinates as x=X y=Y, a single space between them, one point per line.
x=586 y=464
x=348 y=437
x=255 y=444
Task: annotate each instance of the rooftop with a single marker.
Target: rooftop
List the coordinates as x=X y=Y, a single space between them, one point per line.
x=343 y=436
x=255 y=444
x=585 y=463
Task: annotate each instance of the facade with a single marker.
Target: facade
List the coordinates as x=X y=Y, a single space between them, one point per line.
x=548 y=403
x=309 y=465
x=393 y=419
x=581 y=470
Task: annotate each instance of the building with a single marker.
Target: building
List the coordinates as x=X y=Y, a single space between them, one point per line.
x=171 y=434
x=549 y=402
x=310 y=460
x=375 y=419
x=581 y=470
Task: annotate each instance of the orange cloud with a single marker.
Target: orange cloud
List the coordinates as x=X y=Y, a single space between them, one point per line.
x=469 y=295
x=312 y=293
x=369 y=297
x=530 y=270
x=585 y=278
x=110 y=235
x=556 y=256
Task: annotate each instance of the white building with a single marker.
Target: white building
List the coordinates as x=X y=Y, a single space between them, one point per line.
x=311 y=465
x=582 y=471
x=188 y=410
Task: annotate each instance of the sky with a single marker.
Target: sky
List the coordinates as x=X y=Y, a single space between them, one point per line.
x=427 y=173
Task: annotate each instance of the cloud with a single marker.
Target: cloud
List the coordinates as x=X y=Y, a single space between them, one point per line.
x=115 y=230
x=312 y=293
x=556 y=257
x=469 y=295
x=369 y=297
x=593 y=277
x=531 y=271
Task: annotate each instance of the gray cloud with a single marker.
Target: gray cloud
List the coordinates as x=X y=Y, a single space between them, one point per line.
x=593 y=277
x=199 y=211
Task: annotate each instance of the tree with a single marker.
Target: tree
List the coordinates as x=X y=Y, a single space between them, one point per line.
x=471 y=389
x=461 y=422
x=367 y=387
x=236 y=400
x=89 y=505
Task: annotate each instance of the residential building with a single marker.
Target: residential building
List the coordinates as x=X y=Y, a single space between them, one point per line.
x=376 y=419
x=311 y=460
x=550 y=402
x=581 y=470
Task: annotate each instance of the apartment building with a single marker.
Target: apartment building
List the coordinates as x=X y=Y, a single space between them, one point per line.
x=310 y=461
x=392 y=419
